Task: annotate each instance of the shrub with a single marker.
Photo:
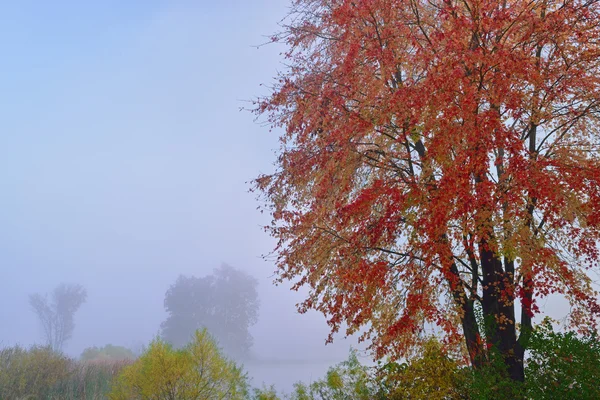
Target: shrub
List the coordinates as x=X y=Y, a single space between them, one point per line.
x=431 y=375
x=490 y=381
x=558 y=366
x=265 y=393
x=31 y=373
x=40 y=373
x=198 y=371
x=89 y=380
x=562 y=365
x=349 y=380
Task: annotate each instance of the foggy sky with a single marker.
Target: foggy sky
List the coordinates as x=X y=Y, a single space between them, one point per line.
x=124 y=160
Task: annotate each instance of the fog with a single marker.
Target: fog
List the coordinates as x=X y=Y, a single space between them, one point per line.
x=124 y=162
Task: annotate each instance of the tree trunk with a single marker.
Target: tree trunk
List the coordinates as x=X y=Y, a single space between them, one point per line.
x=499 y=313
x=469 y=322
x=473 y=340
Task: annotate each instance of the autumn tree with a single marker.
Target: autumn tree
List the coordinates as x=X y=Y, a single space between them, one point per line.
x=438 y=157
x=225 y=302
x=56 y=314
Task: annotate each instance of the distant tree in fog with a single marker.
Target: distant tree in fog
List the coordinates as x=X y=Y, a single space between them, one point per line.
x=56 y=313
x=107 y=353
x=225 y=303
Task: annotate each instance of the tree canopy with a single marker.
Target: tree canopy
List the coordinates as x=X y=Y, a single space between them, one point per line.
x=226 y=303
x=56 y=314
x=438 y=156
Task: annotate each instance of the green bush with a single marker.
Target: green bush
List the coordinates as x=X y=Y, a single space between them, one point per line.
x=198 y=371
x=265 y=393
x=557 y=366
x=562 y=365
x=489 y=382
x=349 y=380
x=432 y=374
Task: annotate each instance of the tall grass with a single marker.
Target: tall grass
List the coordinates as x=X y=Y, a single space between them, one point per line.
x=41 y=374
x=89 y=380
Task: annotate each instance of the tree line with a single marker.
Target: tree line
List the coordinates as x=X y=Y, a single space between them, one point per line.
x=225 y=303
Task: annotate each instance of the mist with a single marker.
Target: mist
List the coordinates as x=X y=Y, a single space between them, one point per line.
x=125 y=162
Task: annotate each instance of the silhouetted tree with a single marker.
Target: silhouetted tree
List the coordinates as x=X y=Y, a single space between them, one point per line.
x=56 y=314
x=226 y=303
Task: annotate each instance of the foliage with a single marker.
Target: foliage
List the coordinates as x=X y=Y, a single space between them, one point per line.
x=348 y=380
x=433 y=374
x=30 y=373
x=226 y=303
x=40 y=373
x=562 y=365
x=438 y=155
x=107 y=353
x=198 y=371
x=265 y=393
x=56 y=314
x=489 y=381
x=559 y=366
x=88 y=381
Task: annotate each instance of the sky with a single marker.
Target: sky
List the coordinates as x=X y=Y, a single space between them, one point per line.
x=125 y=161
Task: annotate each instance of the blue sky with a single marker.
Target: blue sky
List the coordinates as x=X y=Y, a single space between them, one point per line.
x=124 y=160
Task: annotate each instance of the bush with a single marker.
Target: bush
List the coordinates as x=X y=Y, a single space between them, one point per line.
x=40 y=373
x=31 y=373
x=558 y=366
x=349 y=380
x=198 y=371
x=265 y=393
x=89 y=380
x=562 y=365
x=489 y=382
x=431 y=375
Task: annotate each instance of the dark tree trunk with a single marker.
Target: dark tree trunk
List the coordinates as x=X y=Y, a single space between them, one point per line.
x=469 y=322
x=473 y=340
x=499 y=313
